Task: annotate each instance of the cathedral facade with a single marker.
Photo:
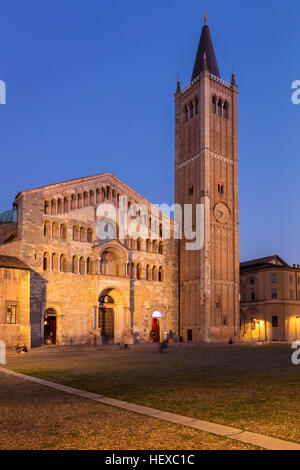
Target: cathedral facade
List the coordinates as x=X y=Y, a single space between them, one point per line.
x=90 y=282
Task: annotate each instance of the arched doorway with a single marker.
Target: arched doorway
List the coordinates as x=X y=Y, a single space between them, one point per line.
x=156 y=326
x=106 y=320
x=50 y=326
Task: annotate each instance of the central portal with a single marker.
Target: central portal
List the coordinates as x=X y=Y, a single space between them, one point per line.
x=106 y=320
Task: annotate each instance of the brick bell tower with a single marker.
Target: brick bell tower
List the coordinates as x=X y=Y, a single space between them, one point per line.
x=206 y=172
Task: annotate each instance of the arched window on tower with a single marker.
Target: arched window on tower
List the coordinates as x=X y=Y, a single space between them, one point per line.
x=219 y=107
x=138 y=271
x=225 y=110
x=160 y=274
x=196 y=105
x=214 y=105
x=191 y=110
x=186 y=113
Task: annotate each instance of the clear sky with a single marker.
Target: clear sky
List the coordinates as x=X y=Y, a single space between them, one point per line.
x=90 y=89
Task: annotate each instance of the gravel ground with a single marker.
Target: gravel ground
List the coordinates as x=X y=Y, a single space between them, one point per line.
x=39 y=418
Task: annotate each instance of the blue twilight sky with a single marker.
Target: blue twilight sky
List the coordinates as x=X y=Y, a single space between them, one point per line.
x=90 y=88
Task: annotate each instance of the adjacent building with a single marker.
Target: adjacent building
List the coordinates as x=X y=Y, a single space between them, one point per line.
x=270 y=300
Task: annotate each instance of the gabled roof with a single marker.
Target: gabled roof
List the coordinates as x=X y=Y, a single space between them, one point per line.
x=205 y=47
x=273 y=261
x=12 y=262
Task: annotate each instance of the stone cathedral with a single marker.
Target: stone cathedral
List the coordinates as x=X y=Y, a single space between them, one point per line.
x=61 y=284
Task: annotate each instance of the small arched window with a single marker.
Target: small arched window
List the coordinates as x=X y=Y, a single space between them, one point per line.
x=66 y=204
x=75 y=265
x=82 y=265
x=53 y=207
x=89 y=235
x=196 y=105
x=85 y=198
x=191 y=110
x=55 y=230
x=76 y=233
x=161 y=248
x=92 y=197
x=160 y=230
x=98 y=196
x=139 y=244
x=148 y=270
x=186 y=113
x=225 y=110
x=47 y=207
x=154 y=246
x=160 y=274
x=59 y=206
x=154 y=273
x=214 y=105
x=73 y=201
x=89 y=266
x=148 y=244
x=46 y=262
x=138 y=271
x=55 y=260
x=79 y=201
x=63 y=264
x=219 y=107
x=63 y=232
x=82 y=234
x=47 y=228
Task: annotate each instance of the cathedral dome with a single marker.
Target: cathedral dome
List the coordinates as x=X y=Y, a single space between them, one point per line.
x=9 y=216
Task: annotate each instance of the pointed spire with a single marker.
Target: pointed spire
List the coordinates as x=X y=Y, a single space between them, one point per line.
x=205 y=47
x=178 y=90
x=233 y=82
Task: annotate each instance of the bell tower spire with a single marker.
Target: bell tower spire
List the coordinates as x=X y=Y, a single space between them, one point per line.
x=205 y=47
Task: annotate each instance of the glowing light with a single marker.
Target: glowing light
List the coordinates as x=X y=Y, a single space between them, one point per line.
x=156 y=314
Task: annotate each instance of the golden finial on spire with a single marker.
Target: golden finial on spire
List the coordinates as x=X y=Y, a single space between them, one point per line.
x=205 y=18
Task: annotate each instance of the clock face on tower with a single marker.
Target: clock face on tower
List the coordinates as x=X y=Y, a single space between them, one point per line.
x=221 y=213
